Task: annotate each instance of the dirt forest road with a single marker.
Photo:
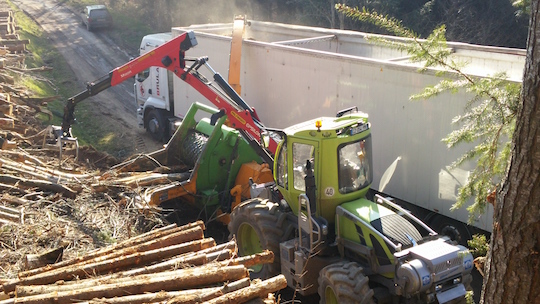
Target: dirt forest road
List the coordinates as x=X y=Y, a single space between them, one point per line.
x=92 y=55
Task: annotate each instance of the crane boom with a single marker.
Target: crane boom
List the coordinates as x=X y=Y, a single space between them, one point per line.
x=171 y=55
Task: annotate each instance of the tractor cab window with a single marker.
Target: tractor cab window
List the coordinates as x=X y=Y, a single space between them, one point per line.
x=281 y=169
x=355 y=165
x=301 y=153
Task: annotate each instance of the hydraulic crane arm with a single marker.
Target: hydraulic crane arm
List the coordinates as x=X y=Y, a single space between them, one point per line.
x=171 y=56
x=173 y=50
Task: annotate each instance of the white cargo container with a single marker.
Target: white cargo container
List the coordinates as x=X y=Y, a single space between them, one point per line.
x=293 y=73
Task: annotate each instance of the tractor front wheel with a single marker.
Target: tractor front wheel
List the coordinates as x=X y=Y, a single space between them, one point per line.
x=255 y=224
x=344 y=283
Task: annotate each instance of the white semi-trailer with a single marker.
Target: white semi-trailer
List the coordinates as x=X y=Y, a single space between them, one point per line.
x=291 y=73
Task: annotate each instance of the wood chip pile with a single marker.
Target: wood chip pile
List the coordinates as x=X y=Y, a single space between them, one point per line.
x=167 y=265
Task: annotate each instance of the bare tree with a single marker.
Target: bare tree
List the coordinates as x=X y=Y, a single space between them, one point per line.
x=513 y=267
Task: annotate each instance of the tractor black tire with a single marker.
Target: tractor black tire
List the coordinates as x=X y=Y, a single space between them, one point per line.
x=344 y=283
x=256 y=226
x=155 y=125
x=191 y=148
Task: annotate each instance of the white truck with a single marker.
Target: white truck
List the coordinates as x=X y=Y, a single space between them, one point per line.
x=292 y=73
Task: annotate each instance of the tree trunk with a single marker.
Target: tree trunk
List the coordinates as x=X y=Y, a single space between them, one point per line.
x=513 y=268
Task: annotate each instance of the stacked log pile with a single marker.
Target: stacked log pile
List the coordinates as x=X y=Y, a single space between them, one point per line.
x=9 y=39
x=167 y=265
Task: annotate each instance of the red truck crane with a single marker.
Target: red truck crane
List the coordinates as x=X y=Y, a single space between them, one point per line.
x=171 y=56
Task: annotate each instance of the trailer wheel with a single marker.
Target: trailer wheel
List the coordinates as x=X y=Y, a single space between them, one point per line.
x=255 y=224
x=455 y=230
x=344 y=283
x=156 y=125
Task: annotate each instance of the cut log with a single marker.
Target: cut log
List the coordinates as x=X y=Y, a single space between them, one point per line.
x=10 y=210
x=170 y=265
x=9 y=42
x=115 y=278
x=41 y=172
x=7 y=188
x=7 y=144
x=7 y=123
x=6 y=109
x=10 y=36
x=152 y=297
x=7 y=79
x=23 y=156
x=149 y=179
x=33 y=70
x=153 y=235
x=180 y=237
x=258 y=290
x=14 y=199
x=122 y=262
x=205 y=295
x=44 y=185
x=10 y=217
x=265 y=257
x=5 y=98
x=178 y=280
x=194 y=296
x=32 y=261
x=6 y=14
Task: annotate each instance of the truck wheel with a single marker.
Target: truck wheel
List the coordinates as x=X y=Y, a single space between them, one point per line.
x=255 y=224
x=455 y=230
x=156 y=125
x=344 y=283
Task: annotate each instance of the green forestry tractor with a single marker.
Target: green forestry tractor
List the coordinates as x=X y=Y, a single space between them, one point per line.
x=329 y=237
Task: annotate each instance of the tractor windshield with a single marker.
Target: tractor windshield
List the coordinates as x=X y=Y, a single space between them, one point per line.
x=354 y=165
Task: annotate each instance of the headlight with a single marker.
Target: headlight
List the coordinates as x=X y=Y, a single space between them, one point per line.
x=414 y=277
x=467 y=259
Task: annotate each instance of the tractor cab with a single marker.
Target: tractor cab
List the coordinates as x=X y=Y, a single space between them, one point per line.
x=338 y=152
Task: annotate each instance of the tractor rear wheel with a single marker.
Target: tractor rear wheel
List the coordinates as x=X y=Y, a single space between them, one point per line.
x=344 y=283
x=255 y=224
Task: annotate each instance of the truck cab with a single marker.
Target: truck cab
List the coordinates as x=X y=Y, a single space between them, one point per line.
x=154 y=95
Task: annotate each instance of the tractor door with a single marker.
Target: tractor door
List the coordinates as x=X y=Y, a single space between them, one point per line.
x=291 y=168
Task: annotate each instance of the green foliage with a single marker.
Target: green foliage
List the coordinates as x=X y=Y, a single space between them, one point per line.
x=489 y=116
x=469 y=297
x=479 y=245
x=105 y=237
x=523 y=7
